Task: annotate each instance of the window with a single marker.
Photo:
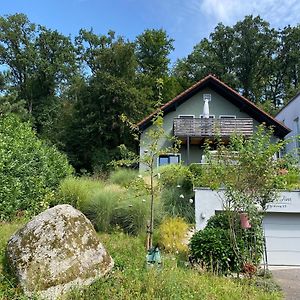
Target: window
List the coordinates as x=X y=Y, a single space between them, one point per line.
x=210 y=116
x=168 y=159
x=227 y=117
x=186 y=116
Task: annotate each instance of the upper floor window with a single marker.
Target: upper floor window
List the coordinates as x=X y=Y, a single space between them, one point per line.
x=186 y=116
x=227 y=117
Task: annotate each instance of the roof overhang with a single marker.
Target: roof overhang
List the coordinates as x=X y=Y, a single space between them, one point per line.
x=245 y=105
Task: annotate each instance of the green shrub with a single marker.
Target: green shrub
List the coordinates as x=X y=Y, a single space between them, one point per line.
x=29 y=169
x=203 y=176
x=213 y=246
x=172 y=235
x=123 y=177
x=176 y=174
x=76 y=191
x=292 y=178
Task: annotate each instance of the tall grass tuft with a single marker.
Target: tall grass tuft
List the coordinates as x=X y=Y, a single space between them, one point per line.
x=75 y=191
x=132 y=214
x=123 y=177
x=177 y=203
x=100 y=207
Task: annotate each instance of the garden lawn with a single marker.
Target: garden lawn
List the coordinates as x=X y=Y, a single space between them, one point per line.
x=131 y=280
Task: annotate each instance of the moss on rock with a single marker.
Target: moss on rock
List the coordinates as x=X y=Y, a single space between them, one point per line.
x=55 y=251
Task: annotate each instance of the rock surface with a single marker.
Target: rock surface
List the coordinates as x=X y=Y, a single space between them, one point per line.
x=56 y=251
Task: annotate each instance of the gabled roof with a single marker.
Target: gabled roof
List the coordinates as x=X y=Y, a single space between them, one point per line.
x=228 y=93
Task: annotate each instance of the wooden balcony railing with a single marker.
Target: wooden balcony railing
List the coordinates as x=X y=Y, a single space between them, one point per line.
x=198 y=127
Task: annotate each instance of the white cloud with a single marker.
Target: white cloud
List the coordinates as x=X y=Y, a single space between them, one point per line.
x=278 y=12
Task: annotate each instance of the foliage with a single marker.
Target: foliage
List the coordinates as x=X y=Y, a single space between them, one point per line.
x=95 y=130
x=214 y=248
x=131 y=280
x=247 y=169
x=204 y=176
x=108 y=206
x=257 y=60
x=249 y=241
x=8 y=285
x=290 y=176
x=123 y=176
x=132 y=214
x=177 y=194
x=30 y=169
x=74 y=91
x=154 y=141
x=176 y=174
x=39 y=63
x=100 y=207
x=249 y=174
x=75 y=191
x=153 y=47
x=172 y=235
x=177 y=203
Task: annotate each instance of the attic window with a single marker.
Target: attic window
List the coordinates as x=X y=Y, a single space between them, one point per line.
x=207 y=97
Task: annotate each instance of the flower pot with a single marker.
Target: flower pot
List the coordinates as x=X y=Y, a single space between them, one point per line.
x=245 y=224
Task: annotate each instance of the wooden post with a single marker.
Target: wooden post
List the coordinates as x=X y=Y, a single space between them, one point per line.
x=188 y=149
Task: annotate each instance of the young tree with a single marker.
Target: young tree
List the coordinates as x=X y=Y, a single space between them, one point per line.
x=154 y=137
x=249 y=173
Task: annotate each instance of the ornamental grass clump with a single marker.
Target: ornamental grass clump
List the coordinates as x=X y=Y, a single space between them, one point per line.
x=177 y=194
x=122 y=176
x=101 y=207
x=132 y=215
x=75 y=190
x=173 y=235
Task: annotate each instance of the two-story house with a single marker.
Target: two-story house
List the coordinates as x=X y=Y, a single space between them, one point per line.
x=205 y=110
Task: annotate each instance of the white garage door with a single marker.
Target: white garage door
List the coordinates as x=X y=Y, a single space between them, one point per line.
x=283 y=238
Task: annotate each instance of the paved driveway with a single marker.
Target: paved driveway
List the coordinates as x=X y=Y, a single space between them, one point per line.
x=289 y=280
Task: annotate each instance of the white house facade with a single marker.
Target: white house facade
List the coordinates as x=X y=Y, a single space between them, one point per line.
x=290 y=116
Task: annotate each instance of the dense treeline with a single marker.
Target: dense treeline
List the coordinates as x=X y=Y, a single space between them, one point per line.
x=73 y=90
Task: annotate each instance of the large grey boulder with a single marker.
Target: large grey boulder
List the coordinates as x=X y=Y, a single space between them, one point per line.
x=56 y=251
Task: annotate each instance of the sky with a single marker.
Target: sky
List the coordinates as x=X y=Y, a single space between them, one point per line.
x=186 y=21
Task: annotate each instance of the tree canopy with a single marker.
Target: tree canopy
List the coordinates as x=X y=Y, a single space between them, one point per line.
x=73 y=89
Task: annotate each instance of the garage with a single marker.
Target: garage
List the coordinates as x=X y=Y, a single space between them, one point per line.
x=281 y=223
x=282 y=231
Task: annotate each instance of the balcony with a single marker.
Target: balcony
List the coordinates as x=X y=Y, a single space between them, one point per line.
x=201 y=128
